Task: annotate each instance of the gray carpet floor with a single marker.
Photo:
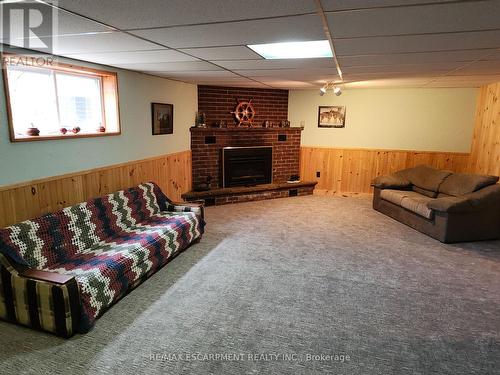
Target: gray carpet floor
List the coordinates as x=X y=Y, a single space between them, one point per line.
x=308 y=285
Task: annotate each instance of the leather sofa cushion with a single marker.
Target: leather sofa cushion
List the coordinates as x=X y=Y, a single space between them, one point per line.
x=459 y=184
x=425 y=177
x=410 y=200
x=394 y=180
x=427 y=193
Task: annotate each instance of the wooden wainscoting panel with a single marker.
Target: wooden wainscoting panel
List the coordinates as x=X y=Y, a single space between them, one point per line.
x=485 y=154
x=345 y=171
x=172 y=172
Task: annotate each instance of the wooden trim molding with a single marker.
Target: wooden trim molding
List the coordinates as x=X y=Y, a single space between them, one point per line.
x=22 y=201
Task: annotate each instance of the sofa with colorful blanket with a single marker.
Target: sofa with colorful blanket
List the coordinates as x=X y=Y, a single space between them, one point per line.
x=450 y=207
x=61 y=271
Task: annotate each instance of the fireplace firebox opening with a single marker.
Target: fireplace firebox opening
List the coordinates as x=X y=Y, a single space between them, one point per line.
x=247 y=166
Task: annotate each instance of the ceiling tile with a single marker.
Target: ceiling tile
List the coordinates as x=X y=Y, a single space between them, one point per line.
x=418 y=43
x=170 y=66
x=234 y=83
x=413 y=58
x=480 y=67
x=67 y=24
x=288 y=72
x=422 y=68
x=495 y=55
x=210 y=75
x=287 y=84
x=299 y=28
x=391 y=82
x=134 y=57
x=346 y=5
x=104 y=42
x=434 y=18
x=70 y=24
x=463 y=81
x=223 y=53
x=278 y=64
x=131 y=14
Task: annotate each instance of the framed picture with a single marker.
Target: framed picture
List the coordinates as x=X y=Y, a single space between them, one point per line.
x=163 y=118
x=331 y=117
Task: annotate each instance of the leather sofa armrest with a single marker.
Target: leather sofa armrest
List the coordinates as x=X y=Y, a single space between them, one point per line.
x=450 y=204
x=392 y=181
x=51 y=277
x=475 y=201
x=485 y=196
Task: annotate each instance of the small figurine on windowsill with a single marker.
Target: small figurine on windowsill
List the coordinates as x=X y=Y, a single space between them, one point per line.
x=33 y=131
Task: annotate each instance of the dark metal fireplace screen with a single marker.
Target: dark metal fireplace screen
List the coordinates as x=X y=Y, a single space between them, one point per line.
x=247 y=166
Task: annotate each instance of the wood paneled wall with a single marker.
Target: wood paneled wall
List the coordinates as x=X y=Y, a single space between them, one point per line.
x=19 y=202
x=351 y=170
x=485 y=154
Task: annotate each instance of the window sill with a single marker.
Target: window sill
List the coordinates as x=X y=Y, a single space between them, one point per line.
x=34 y=138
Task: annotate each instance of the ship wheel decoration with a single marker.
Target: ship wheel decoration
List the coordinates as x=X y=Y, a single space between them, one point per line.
x=244 y=112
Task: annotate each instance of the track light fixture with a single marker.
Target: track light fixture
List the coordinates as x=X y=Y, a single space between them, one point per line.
x=330 y=86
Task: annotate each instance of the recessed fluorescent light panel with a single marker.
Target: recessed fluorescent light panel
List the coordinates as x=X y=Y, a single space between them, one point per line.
x=293 y=50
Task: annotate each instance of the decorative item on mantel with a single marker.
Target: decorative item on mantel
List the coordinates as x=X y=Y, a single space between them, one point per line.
x=244 y=112
x=284 y=124
x=220 y=124
x=200 y=120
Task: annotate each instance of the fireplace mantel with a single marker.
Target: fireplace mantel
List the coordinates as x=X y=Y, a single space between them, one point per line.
x=245 y=129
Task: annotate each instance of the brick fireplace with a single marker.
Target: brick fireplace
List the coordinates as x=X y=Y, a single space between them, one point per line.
x=263 y=174
x=207 y=145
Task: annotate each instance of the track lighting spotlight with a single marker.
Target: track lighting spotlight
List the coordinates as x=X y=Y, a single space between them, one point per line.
x=330 y=86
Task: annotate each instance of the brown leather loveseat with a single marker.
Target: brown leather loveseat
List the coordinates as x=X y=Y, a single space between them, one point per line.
x=451 y=207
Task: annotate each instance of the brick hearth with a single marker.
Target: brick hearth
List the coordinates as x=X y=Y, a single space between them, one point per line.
x=252 y=193
x=206 y=145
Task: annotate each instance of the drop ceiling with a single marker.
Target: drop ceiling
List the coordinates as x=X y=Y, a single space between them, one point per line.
x=378 y=43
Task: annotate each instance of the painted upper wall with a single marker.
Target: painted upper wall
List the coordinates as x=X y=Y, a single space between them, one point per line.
x=402 y=119
x=32 y=160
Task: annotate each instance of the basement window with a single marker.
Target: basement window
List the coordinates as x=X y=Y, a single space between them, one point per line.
x=59 y=101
